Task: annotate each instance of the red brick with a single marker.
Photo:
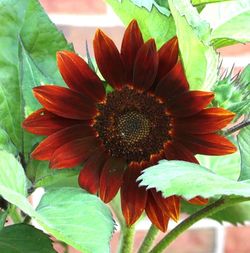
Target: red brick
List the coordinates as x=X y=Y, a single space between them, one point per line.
x=82 y=7
x=235 y=50
x=79 y=35
x=237 y=240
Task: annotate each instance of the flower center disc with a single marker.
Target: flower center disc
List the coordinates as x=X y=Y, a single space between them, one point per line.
x=132 y=125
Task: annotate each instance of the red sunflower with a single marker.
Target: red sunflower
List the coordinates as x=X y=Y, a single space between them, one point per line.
x=150 y=115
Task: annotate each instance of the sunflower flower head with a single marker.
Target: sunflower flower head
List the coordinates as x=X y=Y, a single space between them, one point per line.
x=150 y=115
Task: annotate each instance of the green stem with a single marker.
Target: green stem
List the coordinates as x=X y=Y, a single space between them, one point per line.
x=237 y=127
x=15 y=216
x=203 y=213
x=128 y=234
x=149 y=239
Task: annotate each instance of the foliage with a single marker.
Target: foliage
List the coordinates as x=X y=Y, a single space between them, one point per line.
x=29 y=42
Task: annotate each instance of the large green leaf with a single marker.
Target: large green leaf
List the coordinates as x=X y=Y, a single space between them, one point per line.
x=233 y=31
x=152 y=24
x=22 y=238
x=13 y=182
x=199 y=59
x=244 y=145
x=228 y=166
x=77 y=218
x=229 y=21
x=12 y=176
x=6 y=143
x=42 y=176
x=29 y=42
x=70 y=214
x=161 y=5
x=189 y=180
x=201 y=2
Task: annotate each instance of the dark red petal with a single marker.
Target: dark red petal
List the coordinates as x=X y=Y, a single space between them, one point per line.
x=131 y=43
x=157 y=216
x=189 y=103
x=43 y=122
x=207 y=121
x=198 y=201
x=89 y=177
x=109 y=60
x=171 y=205
x=146 y=65
x=133 y=197
x=79 y=76
x=207 y=144
x=168 y=55
x=65 y=102
x=176 y=151
x=73 y=153
x=48 y=146
x=172 y=84
x=111 y=178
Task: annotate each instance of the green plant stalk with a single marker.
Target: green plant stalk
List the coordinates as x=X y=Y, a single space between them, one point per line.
x=187 y=223
x=15 y=216
x=237 y=127
x=149 y=239
x=127 y=238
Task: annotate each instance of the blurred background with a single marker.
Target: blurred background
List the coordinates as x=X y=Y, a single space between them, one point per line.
x=78 y=20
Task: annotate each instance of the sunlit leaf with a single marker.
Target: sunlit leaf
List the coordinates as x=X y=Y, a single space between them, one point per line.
x=77 y=218
x=6 y=143
x=199 y=59
x=244 y=145
x=229 y=21
x=13 y=182
x=228 y=166
x=189 y=180
x=200 y=2
x=152 y=24
x=160 y=5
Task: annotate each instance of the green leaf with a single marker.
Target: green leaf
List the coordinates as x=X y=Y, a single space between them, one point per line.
x=13 y=182
x=152 y=24
x=22 y=238
x=70 y=214
x=199 y=59
x=160 y=5
x=244 y=145
x=42 y=176
x=3 y=217
x=201 y=2
x=235 y=214
x=190 y=180
x=234 y=31
x=12 y=176
x=228 y=166
x=6 y=143
x=77 y=217
x=229 y=21
x=29 y=42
